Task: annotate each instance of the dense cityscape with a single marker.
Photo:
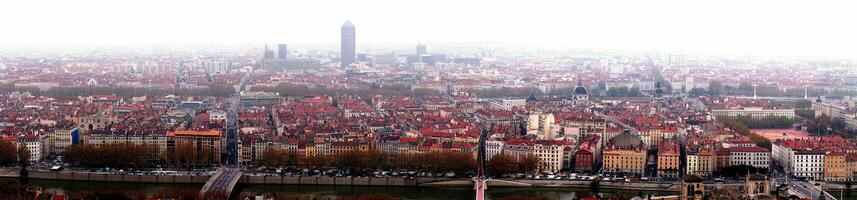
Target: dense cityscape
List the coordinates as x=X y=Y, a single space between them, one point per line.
x=454 y=122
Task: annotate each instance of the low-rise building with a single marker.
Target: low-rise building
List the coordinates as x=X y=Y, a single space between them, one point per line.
x=754 y=112
x=624 y=156
x=808 y=164
x=61 y=138
x=752 y=156
x=835 y=167
x=35 y=144
x=668 y=159
x=700 y=162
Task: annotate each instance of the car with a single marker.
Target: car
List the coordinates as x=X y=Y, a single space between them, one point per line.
x=605 y=179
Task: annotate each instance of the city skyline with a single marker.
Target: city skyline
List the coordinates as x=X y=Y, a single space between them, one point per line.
x=478 y=99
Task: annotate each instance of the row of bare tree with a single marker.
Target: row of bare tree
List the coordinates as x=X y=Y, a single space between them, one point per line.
x=503 y=164
x=11 y=154
x=368 y=160
x=138 y=155
x=107 y=155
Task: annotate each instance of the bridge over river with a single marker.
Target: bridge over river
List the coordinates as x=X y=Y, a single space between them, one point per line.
x=224 y=180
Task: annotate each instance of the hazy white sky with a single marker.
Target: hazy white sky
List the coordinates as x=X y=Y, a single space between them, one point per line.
x=763 y=26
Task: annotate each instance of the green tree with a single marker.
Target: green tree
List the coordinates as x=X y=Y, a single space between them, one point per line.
x=635 y=92
x=803 y=104
x=618 y=91
x=715 y=88
x=696 y=92
x=746 y=86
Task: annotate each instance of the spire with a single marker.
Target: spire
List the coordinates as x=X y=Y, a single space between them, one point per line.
x=347 y=24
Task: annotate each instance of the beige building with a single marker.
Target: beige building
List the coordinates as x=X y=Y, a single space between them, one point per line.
x=624 y=156
x=541 y=125
x=700 y=162
x=59 y=139
x=550 y=153
x=155 y=140
x=207 y=141
x=835 y=167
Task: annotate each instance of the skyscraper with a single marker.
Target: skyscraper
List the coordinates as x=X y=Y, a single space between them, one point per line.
x=348 y=44
x=421 y=49
x=282 y=51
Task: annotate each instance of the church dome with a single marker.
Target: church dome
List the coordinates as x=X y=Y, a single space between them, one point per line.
x=580 y=90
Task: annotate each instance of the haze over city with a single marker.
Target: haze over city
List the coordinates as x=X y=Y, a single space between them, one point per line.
x=722 y=27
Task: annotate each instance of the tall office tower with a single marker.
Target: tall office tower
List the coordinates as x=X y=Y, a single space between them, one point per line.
x=421 y=49
x=282 y=51
x=348 y=44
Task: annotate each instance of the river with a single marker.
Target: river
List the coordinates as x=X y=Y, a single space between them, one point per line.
x=324 y=191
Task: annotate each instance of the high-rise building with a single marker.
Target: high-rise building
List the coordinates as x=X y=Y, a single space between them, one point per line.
x=421 y=49
x=348 y=44
x=282 y=51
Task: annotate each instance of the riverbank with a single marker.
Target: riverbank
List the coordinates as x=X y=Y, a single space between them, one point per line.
x=360 y=181
x=339 y=181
